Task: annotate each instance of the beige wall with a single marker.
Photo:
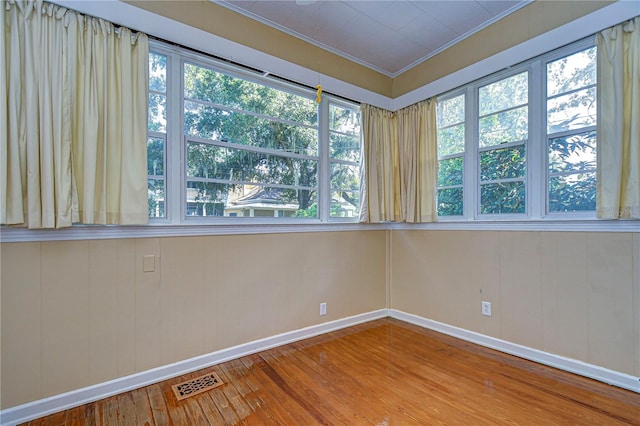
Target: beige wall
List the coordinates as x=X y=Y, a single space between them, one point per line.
x=76 y=313
x=531 y=21
x=569 y=293
x=218 y=20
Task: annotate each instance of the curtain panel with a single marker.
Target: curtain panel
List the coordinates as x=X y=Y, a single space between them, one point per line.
x=618 y=131
x=73 y=142
x=400 y=164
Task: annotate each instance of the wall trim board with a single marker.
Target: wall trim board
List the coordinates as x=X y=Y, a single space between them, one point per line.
x=105 y=232
x=543 y=225
x=36 y=409
x=581 y=368
x=157 y=230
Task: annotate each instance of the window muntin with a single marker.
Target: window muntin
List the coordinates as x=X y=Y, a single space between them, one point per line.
x=246 y=129
x=571 y=113
x=450 y=118
x=157 y=135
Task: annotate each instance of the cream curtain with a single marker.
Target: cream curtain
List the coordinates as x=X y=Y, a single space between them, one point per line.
x=379 y=184
x=618 y=193
x=399 y=170
x=418 y=162
x=74 y=148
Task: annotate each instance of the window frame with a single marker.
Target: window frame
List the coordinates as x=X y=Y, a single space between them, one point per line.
x=176 y=142
x=536 y=144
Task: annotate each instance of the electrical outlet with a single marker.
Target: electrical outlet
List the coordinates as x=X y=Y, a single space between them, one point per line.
x=486 y=308
x=323 y=308
x=148 y=263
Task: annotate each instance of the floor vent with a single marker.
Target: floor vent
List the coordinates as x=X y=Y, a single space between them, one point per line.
x=195 y=386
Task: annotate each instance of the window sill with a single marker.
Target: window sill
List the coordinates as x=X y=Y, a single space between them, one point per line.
x=158 y=230
x=558 y=225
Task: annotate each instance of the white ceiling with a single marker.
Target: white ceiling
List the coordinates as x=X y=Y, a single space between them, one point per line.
x=387 y=36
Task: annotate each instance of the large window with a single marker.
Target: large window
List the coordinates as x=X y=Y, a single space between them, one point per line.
x=248 y=146
x=521 y=143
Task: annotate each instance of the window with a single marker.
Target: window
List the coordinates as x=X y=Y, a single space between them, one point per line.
x=571 y=133
x=521 y=143
x=248 y=146
x=451 y=137
x=502 y=136
x=157 y=133
x=344 y=153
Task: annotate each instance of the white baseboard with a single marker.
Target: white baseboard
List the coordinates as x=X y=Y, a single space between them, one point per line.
x=33 y=410
x=591 y=371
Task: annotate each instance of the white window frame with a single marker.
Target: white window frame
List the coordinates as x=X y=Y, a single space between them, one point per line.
x=536 y=156
x=176 y=142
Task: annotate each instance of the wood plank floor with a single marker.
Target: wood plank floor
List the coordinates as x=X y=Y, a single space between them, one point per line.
x=384 y=372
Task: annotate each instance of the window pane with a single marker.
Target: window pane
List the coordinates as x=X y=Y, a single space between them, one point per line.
x=572 y=111
x=451 y=140
x=207 y=85
x=306 y=201
x=575 y=192
x=157 y=113
x=502 y=197
x=450 y=111
x=504 y=94
x=572 y=72
x=219 y=124
x=450 y=202
x=345 y=176
x=213 y=162
x=207 y=198
x=504 y=127
x=344 y=204
x=155 y=156
x=344 y=144
x=344 y=147
x=344 y=120
x=450 y=172
x=155 y=197
x=505 y=163
x=157 y=72
x=572 y=153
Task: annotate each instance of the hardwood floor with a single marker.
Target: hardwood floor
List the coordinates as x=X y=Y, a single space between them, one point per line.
x=384 y=372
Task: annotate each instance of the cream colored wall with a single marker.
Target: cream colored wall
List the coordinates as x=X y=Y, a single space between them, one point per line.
x=76 y=313
x=573 y=294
